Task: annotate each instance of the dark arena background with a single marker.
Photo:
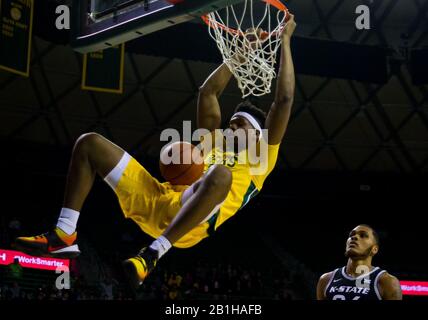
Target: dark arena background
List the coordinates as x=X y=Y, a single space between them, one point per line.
x=355 y=152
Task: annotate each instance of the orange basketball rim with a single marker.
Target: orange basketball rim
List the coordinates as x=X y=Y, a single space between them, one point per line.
x=275 y=3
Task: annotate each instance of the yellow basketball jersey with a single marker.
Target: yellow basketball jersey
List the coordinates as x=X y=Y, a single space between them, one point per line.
x=153 y=205
x=244 y=185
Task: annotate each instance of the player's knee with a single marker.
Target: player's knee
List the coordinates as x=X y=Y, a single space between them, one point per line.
x=87 y=142
x=219 y=179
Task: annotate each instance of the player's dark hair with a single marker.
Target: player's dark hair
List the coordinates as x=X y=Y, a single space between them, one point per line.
x=250 y=107
x=375 y=234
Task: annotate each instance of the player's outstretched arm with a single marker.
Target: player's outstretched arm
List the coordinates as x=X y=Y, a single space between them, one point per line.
x=322 y=284
x=209 y=115
x=279 y=113
x=389 y=287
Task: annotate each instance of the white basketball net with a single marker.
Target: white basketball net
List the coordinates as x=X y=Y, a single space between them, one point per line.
x=249 y=54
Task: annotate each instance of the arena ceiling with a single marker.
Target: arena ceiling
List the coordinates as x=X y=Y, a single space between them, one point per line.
x=337 y=124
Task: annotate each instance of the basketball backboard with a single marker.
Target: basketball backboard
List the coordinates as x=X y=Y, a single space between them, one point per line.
x=100 y=24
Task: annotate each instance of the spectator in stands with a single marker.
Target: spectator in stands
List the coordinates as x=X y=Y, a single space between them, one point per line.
x=175 y=279
x=15 y=270
x=16 y=291
x=108 y=286
x=174 y=293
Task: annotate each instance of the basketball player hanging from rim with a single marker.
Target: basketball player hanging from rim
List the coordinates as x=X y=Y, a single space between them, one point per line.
x=179 y=216
x=359 y=279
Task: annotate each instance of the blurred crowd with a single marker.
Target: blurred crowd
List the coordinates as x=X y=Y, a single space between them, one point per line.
x=217 y=281
x=203 y=282
x=95 y=279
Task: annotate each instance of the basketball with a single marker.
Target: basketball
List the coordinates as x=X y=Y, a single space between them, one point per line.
x=181 y=163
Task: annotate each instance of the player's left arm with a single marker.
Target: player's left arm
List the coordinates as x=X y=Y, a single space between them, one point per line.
x=389 y=287
x=279 y=113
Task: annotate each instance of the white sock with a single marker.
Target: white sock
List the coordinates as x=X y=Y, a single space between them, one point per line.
x=161 y=245
x=67 y=220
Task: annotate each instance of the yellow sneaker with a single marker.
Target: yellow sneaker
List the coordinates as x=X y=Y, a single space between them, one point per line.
x=139 y=267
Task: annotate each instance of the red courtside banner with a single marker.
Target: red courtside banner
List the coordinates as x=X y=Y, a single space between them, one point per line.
x=8 y=256
x=414 y=288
